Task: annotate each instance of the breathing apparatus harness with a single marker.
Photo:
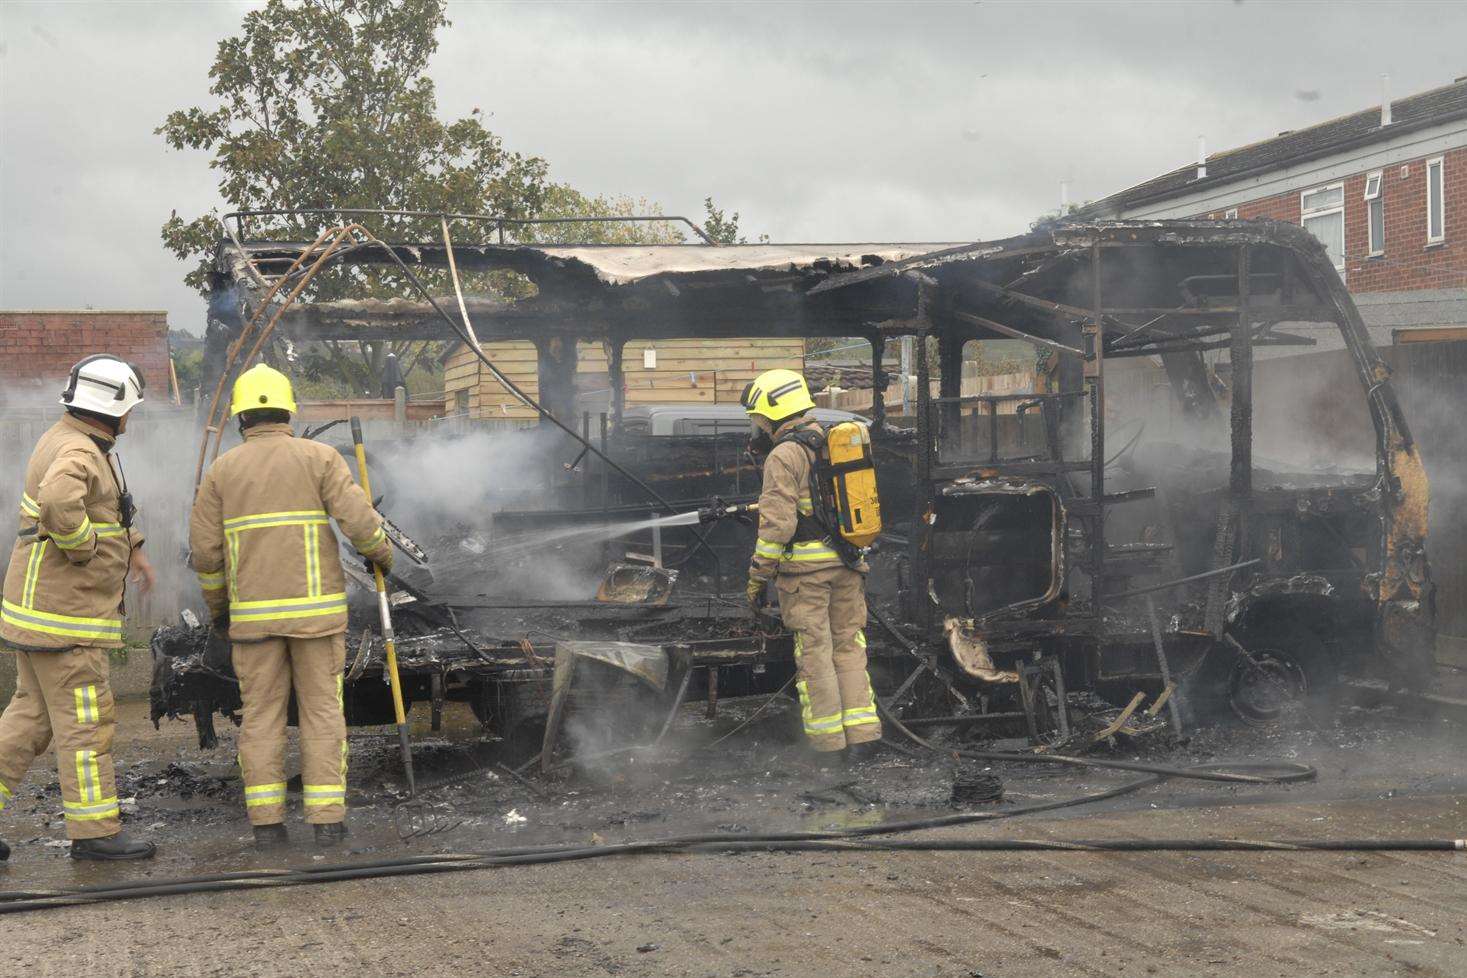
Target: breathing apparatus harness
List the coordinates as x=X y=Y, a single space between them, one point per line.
x=823 y=522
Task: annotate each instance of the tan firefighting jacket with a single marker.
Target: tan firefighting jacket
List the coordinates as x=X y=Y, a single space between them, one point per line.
x=783 y=546
x=64 y=584
x=261 y=535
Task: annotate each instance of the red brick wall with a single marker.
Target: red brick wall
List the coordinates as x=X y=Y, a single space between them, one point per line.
x=1408 y=262
x=38 y=348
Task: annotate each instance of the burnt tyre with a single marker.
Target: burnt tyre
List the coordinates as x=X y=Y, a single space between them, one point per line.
x=1281 y=669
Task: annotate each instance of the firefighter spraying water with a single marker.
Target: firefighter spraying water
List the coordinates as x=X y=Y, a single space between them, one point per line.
x=817 y=511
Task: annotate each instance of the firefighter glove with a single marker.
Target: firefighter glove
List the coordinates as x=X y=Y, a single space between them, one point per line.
x=754 y=591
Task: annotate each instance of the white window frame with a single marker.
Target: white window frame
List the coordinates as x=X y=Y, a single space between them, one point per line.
x=1231 y=214
x=1339 y=209
x=1440 y=163
x=1375 y=198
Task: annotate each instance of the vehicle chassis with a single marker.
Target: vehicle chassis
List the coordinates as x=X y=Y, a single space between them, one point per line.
x=1242 y=567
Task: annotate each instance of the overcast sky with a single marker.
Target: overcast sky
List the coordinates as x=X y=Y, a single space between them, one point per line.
x=818 y=122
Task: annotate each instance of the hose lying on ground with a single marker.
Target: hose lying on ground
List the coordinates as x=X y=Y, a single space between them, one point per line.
x=864 y=839
x=21 y=901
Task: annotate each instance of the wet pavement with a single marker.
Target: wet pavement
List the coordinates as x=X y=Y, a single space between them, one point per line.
x=1382 y=772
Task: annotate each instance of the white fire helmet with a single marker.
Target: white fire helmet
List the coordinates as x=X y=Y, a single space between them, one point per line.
x=104 y=384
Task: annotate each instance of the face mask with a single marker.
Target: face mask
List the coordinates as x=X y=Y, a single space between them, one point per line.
x=761 y=443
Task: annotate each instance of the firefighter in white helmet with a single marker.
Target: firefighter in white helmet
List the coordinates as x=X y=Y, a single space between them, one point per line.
x=62 y=606
x=822 y=596
x=270 y=570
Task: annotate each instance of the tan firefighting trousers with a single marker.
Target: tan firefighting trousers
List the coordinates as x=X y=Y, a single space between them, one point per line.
x=267 y=670
x=64 y=696
x=826 y=609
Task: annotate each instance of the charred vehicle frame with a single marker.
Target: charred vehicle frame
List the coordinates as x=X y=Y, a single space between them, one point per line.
x=1022 y=561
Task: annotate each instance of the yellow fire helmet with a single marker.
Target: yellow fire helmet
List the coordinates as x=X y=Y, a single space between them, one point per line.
x=777 y=395
x=259 y=387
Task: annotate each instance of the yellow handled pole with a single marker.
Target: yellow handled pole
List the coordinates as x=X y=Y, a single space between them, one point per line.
x=384 y=608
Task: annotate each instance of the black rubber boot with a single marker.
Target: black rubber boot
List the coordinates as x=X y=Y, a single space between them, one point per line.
x=113 y=847
x=4 y=851
x=330 y=835
x=858 y=754
x=271 y=836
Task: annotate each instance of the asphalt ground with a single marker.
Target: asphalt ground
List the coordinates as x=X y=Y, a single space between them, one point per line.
x=1383 y=772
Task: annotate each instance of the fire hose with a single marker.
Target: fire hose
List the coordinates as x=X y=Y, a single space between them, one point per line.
x=865 y=839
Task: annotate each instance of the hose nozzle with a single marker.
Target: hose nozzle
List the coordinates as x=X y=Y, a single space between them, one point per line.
x=721 y=510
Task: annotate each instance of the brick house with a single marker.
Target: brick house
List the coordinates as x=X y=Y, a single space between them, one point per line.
x=1384 y=189
x=38 y=347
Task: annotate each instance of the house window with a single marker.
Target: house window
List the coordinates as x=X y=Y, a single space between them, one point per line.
x=1230 y=215
x=1436 y=212
x=1322 y=212
x=1374 y=215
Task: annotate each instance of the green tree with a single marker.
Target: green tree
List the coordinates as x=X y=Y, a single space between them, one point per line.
x=563 y=201
x=327 y=103
x=724 y=228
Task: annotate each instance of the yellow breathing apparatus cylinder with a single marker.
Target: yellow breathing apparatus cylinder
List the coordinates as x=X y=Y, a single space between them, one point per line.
x=851 y=470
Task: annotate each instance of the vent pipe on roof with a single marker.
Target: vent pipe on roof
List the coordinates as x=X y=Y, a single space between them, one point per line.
x=1201 y=158
x=1385 y=100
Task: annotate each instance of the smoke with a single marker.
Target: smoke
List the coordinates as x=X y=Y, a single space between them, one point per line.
x=440 y=481
x=444 y=488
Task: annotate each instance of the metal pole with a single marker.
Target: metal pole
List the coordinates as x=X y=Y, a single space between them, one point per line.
x=384 y=609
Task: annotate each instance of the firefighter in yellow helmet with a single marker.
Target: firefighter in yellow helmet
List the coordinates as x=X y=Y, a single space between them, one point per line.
x=62 y=609
x=270 y=569
x=821 y=599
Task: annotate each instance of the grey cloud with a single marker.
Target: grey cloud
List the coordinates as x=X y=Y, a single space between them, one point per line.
x=817 y=122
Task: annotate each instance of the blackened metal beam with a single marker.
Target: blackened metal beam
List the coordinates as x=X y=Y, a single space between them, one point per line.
x=1260 y=338
x=1240 y=482
x=1058 y=309
x=926 y=462
x=878 y=382
x=1095 y=376
x=1018 y=334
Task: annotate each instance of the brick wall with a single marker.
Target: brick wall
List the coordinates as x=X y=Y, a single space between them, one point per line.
x=1408 y=262
x=38 y=348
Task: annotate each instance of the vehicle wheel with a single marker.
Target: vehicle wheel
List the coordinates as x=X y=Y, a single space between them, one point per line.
x=1287 y=668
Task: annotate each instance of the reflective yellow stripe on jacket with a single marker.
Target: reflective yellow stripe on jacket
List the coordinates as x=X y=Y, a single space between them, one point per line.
x=796 y=552
x=277 y=609
x=65 y=626
x=33 y=573
x=314 y=604
x=77 y=537
x=301 y=517
x=29 y=507
x=372 y=542
x=210 y=582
